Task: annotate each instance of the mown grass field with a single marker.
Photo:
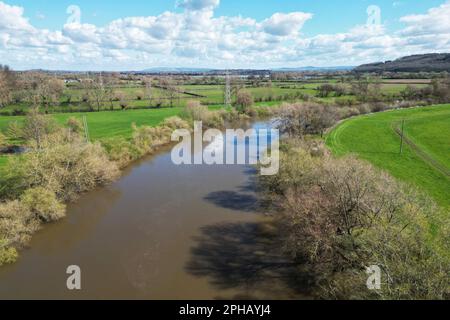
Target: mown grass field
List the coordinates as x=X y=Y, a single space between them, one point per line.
x=432 y=134
x=373 y=138
x=108 y=124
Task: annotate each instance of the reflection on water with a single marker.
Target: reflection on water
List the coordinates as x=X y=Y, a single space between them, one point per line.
x=160 y=232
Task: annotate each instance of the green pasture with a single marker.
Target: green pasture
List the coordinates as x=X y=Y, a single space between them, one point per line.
x=373 y=138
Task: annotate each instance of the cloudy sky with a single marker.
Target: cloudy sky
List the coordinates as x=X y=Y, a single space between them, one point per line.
x=138 y=34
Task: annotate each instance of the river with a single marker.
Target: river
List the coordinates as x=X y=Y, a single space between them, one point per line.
x=160 y=232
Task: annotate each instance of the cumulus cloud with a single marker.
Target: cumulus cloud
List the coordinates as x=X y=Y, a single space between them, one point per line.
x=281 y=24
x=11 y=18
x=435 y=21
x=81 y=32
x=196 y=36
x=196 y=5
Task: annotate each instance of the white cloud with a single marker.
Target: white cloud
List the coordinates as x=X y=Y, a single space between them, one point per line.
x=435 y=21
x=11 y=18
x=82 y=32
x=281 y=24
x=197 y=37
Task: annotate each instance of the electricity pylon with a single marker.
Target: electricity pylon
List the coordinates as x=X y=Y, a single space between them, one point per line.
x=227 y=89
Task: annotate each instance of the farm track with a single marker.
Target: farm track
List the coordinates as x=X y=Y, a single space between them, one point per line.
x=422 y=154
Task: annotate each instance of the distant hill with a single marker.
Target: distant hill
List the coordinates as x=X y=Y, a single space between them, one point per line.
x=433 y=62
x=242 y=71
x=300 y=69
x=176 y=70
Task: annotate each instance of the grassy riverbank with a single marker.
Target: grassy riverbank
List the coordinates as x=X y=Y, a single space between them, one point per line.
x=374 y=138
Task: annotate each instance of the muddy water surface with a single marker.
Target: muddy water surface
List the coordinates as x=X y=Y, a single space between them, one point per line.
x=160 y=232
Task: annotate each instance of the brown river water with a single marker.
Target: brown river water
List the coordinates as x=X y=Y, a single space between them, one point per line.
x=160 y=232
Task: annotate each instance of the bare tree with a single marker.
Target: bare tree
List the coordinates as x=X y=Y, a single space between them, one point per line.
x=7 y=83
x=170 y=90
x=55 y=89
x=5 y=93
x=37 y=126
x=42 y=90
x=244 y=100
x=236 y=86
x=30 y=82
x=367 y=89
x=441 y=89
x=325 y=90
x=94 y=92
x=2 y=140
x=148 y=90
x=98 y=92
x=121 y=97
x=360 y=87
x=300 y=120
x=109 y=90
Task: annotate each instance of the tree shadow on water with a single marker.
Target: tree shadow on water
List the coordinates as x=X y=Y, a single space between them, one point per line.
x=244 y=199
x=252 y=184
x=246 y=258
x=234 y=200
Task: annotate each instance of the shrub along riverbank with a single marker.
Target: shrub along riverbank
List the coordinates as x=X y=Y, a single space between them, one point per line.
x=339 y=216
x=336 y=216
x=60 y=165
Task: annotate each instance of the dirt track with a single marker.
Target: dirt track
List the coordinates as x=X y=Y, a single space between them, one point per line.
x=426 y=157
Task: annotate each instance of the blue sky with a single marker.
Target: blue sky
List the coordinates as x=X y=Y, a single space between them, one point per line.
x=330 y=15
x=135 y=34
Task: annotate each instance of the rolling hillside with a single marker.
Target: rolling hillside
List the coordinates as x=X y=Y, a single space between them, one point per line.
x=433 y=62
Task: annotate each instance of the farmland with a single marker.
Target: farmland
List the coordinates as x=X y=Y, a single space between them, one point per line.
x=373 y=138
x=107 y=124
x=309 y=108
x=203 y=150
x=135 y=95
x=134 y=102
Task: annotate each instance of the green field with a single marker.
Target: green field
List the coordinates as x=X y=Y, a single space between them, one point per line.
x=136 y=97
x=432 y=134
x=71 y=100
x=373 y=138
x=108 y=124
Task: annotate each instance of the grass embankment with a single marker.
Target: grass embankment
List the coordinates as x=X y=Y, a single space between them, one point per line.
x=106 y=124
x=373 y=138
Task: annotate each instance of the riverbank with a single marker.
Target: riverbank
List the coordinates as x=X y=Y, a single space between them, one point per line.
x=64 y=165
x=374 y=138
x=160 y=232
x=120 y=150
x=339 y=216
